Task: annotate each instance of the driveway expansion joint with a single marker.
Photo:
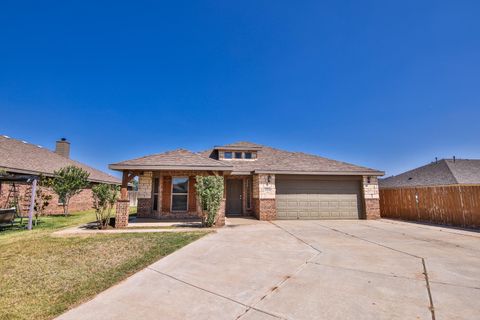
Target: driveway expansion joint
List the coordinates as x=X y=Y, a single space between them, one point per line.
x=248 y=307
x=425 y=272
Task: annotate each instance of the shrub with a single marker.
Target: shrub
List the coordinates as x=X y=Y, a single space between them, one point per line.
x=210 y=195
x=104 y=198
x=68 y=182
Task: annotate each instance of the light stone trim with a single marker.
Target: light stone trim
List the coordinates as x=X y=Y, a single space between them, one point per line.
x=370 y=190
x=262 y=189
x=145 y=182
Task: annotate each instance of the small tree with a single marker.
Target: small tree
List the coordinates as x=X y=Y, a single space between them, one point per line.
x=210 y=195
x=104 y=198
x=68 y=182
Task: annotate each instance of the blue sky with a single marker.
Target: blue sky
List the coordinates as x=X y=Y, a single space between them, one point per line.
x=385 y=84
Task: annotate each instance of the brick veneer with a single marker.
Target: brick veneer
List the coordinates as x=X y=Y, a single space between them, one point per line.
x=144 y=207
x=264 y=197
x=121 y=213
x=265 y=209
x=371 y=197
x=80 y=202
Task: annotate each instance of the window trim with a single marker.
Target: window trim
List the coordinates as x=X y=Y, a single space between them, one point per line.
x=155 y=195
x=181 y=194
x=236 y=153
x=225 y=152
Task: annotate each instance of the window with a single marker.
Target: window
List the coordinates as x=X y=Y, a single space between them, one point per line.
x=156 y=183
x=227 y=155
x=248 y=155
x=180 y=194
x=238 y=155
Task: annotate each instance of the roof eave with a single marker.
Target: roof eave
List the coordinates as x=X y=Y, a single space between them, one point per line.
x=236 y=148
x=122 y=167
x=47 y=174
x=324 y=173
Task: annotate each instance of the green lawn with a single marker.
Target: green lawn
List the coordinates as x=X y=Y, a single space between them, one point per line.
x=41 y=275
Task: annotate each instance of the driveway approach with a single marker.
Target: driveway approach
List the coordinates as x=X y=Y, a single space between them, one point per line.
x=305 y=270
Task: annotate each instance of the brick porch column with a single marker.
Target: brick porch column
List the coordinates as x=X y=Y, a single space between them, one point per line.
x=121 y=215
x=371 y=197
x=220 y=219
x=264 y=196
x=144 y=207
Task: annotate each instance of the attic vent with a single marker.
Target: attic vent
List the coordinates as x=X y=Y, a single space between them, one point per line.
x=23 y=141
x=6 y=137
x=410 y=178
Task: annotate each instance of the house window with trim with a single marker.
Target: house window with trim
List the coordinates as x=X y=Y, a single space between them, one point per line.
x=228 y=155
x=180 y=194
x=249 y=193
x=238 y=155
x=156 y=184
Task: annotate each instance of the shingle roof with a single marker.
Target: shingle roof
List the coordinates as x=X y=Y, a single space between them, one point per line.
x=172 y=160
x=22 y=157
x=442 y=172
x=276 y=160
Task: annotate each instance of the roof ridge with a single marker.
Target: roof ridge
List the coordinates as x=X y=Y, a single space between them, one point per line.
x=450 y=170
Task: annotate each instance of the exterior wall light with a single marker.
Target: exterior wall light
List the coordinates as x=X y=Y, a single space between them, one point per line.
x=269 y=179
x=368 y=179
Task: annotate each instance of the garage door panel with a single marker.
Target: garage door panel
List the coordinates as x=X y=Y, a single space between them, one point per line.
x=309 y=198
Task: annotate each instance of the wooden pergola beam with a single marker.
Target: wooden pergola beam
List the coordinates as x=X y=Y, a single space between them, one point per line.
x=127 y=176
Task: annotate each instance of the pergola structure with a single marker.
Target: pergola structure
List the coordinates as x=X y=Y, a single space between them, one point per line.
x=24 y=178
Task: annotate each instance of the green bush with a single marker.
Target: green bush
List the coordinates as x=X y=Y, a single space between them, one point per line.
x=210 y=194
x=104 y=198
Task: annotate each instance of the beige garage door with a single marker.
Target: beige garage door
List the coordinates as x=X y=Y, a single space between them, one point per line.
x=311 y=197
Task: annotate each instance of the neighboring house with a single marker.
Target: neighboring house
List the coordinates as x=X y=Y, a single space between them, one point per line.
x=22 y=158
x=260 y=181
x=445 y=191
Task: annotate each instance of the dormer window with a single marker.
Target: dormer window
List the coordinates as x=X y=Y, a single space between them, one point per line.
x=237 y=155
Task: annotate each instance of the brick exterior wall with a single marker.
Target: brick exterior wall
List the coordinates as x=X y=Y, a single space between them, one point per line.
x=121 y=213
x=264 y=197
x=80 y=202
x=371 y=197
x=145 y=200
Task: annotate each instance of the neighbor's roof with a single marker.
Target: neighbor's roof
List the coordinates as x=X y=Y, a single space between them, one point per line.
x=442 y=172
x=22 y=157
x=172 y=160
x=271 y=160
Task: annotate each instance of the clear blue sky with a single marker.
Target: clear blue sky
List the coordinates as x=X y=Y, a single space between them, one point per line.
x=386 y=84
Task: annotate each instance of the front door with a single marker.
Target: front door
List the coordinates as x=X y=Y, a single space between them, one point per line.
x=234 y=196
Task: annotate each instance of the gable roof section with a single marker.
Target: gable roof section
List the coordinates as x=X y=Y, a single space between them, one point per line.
x=443 y=172
x=22 y=157
x=180 y=159
x=271 y=160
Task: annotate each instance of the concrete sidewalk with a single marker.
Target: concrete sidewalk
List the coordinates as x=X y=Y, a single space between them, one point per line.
x=305 y=270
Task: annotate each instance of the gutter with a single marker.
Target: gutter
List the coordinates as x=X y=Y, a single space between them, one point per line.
x=121 y=167
x=323 y=173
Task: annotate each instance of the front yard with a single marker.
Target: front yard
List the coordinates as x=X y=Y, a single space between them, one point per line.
x=41 y=275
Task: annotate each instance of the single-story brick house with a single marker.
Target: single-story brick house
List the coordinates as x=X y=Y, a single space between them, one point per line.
x=260 y=181
x=22 y=158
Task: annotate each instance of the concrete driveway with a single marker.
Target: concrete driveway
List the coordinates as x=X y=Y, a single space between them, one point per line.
x=305 y=270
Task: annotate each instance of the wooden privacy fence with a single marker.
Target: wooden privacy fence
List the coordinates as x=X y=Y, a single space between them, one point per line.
x=133 y=197
x=457 y=205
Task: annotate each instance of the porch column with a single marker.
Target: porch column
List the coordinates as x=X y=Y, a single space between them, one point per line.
x=123 y=204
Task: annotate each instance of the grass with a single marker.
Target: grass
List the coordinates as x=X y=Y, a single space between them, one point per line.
x=41 y=275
